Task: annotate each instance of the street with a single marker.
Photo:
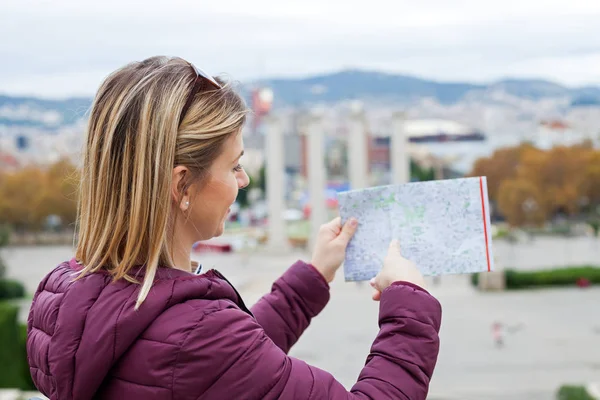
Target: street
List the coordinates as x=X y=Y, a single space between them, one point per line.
x=552 y=336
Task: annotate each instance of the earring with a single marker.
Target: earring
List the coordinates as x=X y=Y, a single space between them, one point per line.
x=187 y=203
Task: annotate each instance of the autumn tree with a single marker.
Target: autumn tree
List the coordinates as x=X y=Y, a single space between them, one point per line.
x=563 y=179
x=59 y=194
x=591 y=179
x=28 y=196
x=522 y=202
x=19 y=196
x=560 y=174
x=503 y=164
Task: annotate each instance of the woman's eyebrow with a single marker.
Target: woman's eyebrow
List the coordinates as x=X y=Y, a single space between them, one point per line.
x=238 y=157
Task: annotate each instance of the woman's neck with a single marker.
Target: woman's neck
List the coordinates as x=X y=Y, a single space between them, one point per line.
x=181 y=258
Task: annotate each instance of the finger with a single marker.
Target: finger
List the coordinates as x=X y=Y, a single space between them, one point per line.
x=335 y=225
x=394 y=247
x=348 y=230
x=336 y=222
x=376 y=295
x=373 y=283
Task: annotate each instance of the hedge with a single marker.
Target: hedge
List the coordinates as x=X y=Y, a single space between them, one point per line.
x=475 y=279
x=3 y=267
x=573 y=393
x=569 y=276
x=4 y=235
x=555 y=277
x=14 y=369
x=10 y=289
x=26 y=374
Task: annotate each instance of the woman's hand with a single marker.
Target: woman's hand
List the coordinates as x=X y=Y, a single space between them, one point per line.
x=395 y=268
x=330 y=246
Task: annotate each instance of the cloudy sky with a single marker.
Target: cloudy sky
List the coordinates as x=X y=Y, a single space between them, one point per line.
x=60 y=48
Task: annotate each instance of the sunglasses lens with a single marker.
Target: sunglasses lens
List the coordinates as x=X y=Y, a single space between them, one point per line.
x=206 y=76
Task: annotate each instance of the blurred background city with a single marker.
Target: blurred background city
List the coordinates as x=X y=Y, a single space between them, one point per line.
x=509 y=90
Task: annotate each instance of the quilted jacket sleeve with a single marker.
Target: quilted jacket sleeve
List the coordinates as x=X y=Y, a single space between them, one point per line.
x=243 y=362
x=295 y=298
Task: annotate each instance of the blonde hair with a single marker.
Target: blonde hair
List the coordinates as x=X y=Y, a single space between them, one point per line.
x=134 y=140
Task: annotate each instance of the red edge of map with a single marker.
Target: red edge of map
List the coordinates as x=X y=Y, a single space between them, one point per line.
x=485 y=231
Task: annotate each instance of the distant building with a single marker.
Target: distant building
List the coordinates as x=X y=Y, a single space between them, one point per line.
x=440 y=130
x=555 y=125
x=556 y=132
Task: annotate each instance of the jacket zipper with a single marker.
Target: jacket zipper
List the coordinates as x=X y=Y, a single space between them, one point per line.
x=240 y=300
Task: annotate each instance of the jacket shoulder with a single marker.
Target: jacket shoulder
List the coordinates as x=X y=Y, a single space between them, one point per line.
x=174 y=323
x=228 y=352
x=162 y=344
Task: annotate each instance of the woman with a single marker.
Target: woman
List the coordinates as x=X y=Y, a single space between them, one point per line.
x=127 y=319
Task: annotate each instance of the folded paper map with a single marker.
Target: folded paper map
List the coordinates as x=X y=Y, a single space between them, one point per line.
x=442 y=226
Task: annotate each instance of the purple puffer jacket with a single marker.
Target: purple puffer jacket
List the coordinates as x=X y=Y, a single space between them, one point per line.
x=193 y=338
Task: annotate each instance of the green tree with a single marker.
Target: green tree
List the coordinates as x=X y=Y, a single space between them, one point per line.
x=4 y=239
x=255 y=183
x=262 y=179
x=420 y=173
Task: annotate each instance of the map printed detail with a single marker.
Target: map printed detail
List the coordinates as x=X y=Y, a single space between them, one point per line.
x=442 y=226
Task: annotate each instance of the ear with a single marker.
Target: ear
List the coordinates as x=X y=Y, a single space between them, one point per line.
x=179 y=197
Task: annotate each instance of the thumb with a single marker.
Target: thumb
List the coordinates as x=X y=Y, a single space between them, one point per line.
x=348 y=230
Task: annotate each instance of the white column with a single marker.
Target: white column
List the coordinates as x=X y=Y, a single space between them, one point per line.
x=399 y=157
x=277 y=239
x=358 y=163
x=316 y=175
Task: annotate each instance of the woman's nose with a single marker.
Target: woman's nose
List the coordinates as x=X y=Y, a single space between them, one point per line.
x=244 y=180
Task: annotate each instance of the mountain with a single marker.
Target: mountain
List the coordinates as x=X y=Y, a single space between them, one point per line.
x=370 y=85
x=356 y=84
x=42 y=113
x=352 y=84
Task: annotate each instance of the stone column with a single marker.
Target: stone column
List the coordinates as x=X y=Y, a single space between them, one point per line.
x=358 y=161
x=399 y=156
x=494 y=280
x=316 y=175
x=275 y=176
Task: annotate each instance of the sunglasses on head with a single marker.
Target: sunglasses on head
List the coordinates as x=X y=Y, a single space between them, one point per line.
x=202 y=82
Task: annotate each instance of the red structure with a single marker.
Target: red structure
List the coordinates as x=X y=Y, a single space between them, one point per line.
x=262 y=101
x=555 y=125
x=8 y=161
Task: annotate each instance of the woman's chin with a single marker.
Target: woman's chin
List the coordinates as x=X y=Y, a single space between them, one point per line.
x=220 y=230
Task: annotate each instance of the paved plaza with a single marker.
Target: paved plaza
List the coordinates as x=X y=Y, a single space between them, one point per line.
x=553 y=336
